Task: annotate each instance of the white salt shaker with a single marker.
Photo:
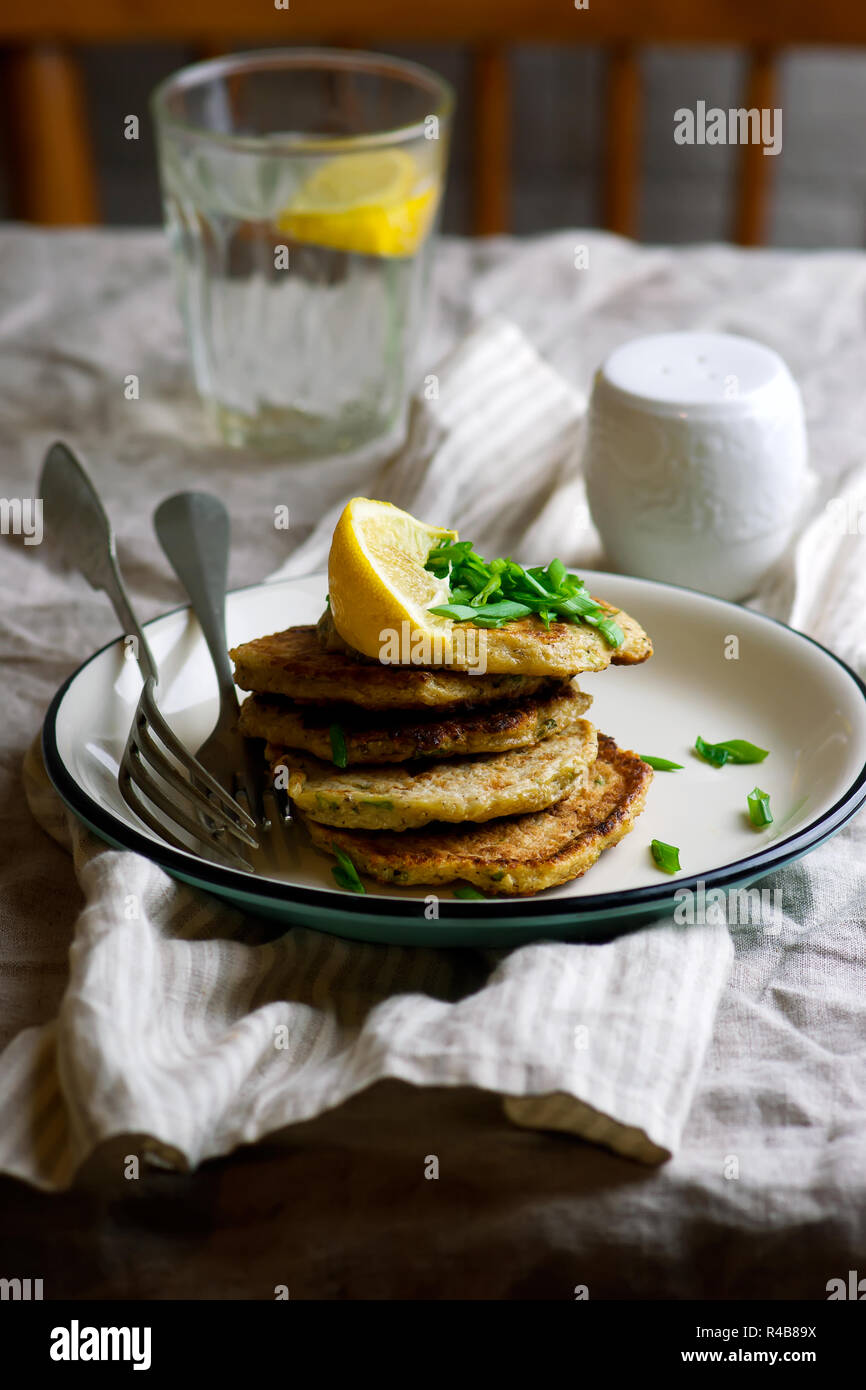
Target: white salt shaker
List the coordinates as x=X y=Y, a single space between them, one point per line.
x=695 y=460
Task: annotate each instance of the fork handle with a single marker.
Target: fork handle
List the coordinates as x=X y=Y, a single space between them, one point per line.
x=85 y=536
x=112 y=585
x=194 y=531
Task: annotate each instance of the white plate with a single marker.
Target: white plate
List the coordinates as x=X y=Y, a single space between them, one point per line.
x=719 y=670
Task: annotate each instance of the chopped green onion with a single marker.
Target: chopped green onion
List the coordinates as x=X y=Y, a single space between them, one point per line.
x=609 y=630
x=484 y=594
x=468 y=893
x=473 y=582
x=491 y=615
x=666 y=856
x=741 y=751
x=504 y=611
x=557 y=573
x=734 y=750
x=460 y=612
x=759 y=807
x=345 y=873
x=579 y=604
x=500 y=591
x=339 y=753
x=532 y=579
x=660 y=764
x=712 y=752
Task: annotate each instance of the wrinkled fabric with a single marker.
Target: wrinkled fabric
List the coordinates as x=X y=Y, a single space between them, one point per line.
x=201 y=1045
x=774 y=1134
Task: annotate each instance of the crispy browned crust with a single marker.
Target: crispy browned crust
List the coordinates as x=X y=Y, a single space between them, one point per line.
x=527 y=647
x=294 y=663
x=404 y=734
x=515 y=855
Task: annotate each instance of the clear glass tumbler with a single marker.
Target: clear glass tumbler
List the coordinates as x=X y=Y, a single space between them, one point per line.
x=301 y=191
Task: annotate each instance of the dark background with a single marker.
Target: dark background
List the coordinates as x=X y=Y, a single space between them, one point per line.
x=819 y=179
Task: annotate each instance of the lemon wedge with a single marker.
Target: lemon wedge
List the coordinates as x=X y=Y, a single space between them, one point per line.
x=377 y=581
x=375 y=203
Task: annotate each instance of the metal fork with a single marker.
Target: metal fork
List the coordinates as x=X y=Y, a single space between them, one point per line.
x=155 y=762
x=193 y=529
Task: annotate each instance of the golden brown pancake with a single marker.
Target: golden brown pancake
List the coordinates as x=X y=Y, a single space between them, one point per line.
x=517 y=855
x=403 y=796
x=398 y=735
x=525 y=647
x=294 y=663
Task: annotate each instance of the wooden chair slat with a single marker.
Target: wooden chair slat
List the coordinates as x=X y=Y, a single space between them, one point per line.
x=53 y=174
x=751 y=208
x=205 y=49
x=622 y=101
x=491 y=93
x=744 y=22
x=52 y=170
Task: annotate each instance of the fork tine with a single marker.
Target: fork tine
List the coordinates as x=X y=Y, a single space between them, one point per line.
x=203 y=779
x=135 y=777
x=219 y=853
x=279 y=853
x=152 y=759
x=157 y=760
x=250 y=782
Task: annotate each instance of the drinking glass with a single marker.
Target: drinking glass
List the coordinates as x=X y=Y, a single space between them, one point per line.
x=301 y=190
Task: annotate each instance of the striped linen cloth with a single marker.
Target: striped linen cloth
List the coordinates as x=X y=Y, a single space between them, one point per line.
x=185 y=1027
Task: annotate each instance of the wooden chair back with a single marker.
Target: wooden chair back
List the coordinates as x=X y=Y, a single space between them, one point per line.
x=53 y=177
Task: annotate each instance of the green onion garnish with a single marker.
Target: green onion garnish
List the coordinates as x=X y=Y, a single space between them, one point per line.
x=468 y=892
x=490 y=593
x=345 y=873
x=712 y=752
x=759 y=807
x=666 y=856
x=338 y=746
x=558 y=574
x=660 y=764
x=491 y=615
x=741 y=751
x=735 y=750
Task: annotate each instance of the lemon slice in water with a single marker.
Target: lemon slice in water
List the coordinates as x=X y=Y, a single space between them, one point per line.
x=375 y=203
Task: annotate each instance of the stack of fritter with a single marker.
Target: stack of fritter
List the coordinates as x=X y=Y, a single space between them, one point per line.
x=428 y=775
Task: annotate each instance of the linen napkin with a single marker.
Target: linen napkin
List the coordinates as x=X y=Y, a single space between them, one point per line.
x=185 y=1026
